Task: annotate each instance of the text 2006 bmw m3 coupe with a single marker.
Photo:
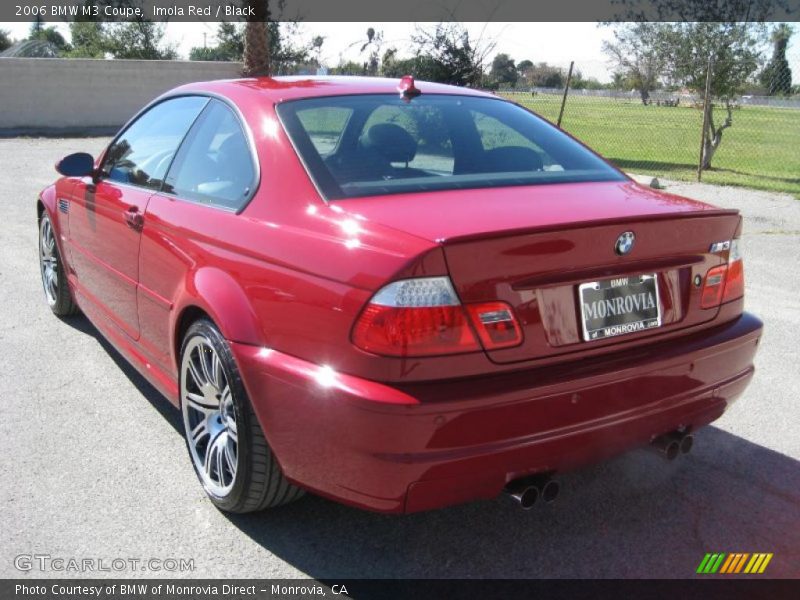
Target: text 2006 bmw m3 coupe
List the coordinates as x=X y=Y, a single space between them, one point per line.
x=400 y=296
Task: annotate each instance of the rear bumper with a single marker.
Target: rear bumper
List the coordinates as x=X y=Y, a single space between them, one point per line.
x=395 y=448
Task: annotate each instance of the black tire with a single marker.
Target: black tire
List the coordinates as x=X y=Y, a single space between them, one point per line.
x=258 y=482
x=57 y=294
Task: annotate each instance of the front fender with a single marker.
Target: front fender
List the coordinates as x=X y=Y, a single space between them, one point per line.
x=220 y=296
x=48 y=199
x=48 y=203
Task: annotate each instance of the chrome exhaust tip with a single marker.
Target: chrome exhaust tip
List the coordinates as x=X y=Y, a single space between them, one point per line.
x=550 y=491
x=524 y=493
x=686 y=443
x=667 y=446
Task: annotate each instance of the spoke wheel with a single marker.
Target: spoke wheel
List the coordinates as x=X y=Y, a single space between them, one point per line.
x=51 y=267
x=209 y=417
x=229 y=452
x=48 y=261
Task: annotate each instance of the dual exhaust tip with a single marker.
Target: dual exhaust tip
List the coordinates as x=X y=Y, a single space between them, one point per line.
x=528 y=490
x=669 y=446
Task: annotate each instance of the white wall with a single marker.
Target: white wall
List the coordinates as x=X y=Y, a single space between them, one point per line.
x=82 y=96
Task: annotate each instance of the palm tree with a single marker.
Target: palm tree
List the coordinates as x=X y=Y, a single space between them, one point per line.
x=256 y=40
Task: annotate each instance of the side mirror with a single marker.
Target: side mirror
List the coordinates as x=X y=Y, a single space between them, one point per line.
x=79 y=164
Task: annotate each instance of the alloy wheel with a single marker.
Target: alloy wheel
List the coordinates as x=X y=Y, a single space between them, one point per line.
x=209 y=416
x=48 y=261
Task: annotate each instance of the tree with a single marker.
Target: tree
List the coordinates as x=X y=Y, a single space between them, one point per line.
x=5 y=40
x=503 y=71
x=229 y=47
x=459 y=59
x=140 y=40
x=777 y=76
x=619 y=81
x=372 y=47
x=230 y=41
x=639 y=54
x=421 y=67
x=523 y=65
x=316 y=46
x=285 y=55
x=733 y=50
x=256 y=40
x=543 y=75
x=209 y=54
x=88 y=40
x=50 y=35
x=349 y=67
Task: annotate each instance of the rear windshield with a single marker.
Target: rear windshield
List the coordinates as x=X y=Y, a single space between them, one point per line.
x=369 y=145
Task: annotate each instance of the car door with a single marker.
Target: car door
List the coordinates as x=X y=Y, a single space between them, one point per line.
x=107 y=212
x=193 y=220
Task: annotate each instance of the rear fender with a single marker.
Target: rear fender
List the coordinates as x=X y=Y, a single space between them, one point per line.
x=221 y=297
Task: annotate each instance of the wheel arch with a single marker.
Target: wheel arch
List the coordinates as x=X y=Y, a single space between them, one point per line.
x=213 y=294
x=46 y=201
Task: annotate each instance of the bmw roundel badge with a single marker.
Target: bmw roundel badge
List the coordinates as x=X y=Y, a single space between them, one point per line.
x=624 y=243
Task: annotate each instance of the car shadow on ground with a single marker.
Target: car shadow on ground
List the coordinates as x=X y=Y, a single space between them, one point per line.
x=635 y=516
x=151 y=394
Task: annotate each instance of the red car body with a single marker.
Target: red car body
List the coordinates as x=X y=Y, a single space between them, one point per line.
x=286 y=279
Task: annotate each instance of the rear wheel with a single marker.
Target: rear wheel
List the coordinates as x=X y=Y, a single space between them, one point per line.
x=54 y=278
x=226 y=445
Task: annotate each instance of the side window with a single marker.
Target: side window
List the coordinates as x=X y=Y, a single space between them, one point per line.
x=324 y=126
x=214 y=165
x=144 y=151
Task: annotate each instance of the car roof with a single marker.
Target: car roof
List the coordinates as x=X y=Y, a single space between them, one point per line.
x=279 y=89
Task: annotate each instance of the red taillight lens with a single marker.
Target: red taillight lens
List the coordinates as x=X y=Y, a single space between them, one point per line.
x=734 y=282
x=495 y=324
x=424 y=317
x=726 y=282
x=414 y=331
x=415 y=317
x=714 y=287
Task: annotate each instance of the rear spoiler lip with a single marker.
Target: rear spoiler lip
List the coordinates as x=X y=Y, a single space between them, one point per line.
x=694 y=214
x=607 y=271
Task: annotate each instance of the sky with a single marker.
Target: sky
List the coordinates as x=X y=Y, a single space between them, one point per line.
x=554 y=43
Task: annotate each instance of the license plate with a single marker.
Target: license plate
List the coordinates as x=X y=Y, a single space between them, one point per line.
x=619 y=306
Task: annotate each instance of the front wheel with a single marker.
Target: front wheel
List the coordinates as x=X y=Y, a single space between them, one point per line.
x=54 y=278
x=226 y=445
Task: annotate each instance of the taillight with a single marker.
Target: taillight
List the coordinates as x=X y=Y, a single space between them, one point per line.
x=726 y=282
x=424 y=317
x=495 y=324
x=734 y=282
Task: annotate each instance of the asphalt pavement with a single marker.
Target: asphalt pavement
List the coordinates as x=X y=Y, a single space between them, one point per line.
x=94 y=465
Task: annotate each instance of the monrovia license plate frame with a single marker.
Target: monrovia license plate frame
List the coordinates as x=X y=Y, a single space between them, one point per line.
x=619 y=306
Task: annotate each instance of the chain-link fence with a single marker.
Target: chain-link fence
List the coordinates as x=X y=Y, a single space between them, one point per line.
x=751 y=138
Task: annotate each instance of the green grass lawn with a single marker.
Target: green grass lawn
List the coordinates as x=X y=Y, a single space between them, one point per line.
x=760 y=150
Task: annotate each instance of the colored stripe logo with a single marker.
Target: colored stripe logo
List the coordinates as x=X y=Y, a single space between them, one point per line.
x=734 y=562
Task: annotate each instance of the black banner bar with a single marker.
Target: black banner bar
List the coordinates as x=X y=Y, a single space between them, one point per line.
x=710 y=588
x=403 y=10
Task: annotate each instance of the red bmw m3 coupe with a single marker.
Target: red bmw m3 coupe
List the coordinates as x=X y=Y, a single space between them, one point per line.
x=397 y=295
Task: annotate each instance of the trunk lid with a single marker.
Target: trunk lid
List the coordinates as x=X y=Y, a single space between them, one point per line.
x=533 y=247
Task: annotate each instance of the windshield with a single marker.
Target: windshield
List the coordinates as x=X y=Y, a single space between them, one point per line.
x=366 y=145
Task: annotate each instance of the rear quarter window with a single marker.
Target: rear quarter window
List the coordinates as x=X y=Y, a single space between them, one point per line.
x=215 y=164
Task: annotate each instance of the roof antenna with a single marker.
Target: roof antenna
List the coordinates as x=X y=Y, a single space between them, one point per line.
x=407 y=89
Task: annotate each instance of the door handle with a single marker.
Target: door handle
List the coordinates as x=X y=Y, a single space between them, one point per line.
x=134 y=218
